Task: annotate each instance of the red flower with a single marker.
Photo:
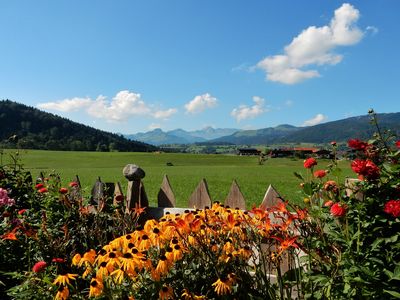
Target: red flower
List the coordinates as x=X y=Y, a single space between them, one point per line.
x=320 y=173
x=309 y=163
x=22 y=211
x=39 y=266
x=73 y=184
x=338 y=210
x=365 y=168
x=58 y=260
x=63 y=190
x=333 y=143
x=392 y=207
x=39 y=186
x=43 y=190
x=356 y=144
x=398 y=144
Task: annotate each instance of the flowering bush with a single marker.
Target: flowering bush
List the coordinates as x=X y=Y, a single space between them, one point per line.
x=216 y=253
x=351 y=239
x=42 y=225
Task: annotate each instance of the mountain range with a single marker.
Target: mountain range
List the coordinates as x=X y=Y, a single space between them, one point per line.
x=180 y=136
x=340 y=131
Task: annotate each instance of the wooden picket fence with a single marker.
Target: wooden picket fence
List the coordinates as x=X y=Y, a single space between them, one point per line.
x=136 y=196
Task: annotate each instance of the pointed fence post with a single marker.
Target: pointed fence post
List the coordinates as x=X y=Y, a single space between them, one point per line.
x=118 y=195
x=75 y=195
x=353 y=188
x=271 y=198
x=166 y=197
x=135 y=194
x=235 y=197
x=200 y=197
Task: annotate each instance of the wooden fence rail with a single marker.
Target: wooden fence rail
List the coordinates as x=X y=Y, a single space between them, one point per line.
x=136 y=195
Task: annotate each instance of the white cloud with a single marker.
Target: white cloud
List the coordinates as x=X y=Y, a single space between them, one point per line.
x=124 y=105
x=164 y=114
x=244 y=112
x=372 y=29
x=314 y=47
x=201 y=103
x=66 y=105
x=319 y=118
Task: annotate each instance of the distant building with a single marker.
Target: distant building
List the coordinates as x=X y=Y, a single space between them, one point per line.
x=248 y=151
x=301 y=152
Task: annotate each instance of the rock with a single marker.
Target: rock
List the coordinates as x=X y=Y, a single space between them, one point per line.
x=133 y=172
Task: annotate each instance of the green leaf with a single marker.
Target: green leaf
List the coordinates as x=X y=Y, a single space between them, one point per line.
x=298 y=175
x=393 y=293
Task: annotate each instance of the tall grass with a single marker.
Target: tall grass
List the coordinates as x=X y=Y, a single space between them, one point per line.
x=184 y=175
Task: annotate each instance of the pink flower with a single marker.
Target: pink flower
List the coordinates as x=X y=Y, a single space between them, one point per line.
x=63 y=190
x=43 y=190
x=309 y=163
x=333 y=143
x=39 y=186
x=328 y=203
x=320 y=173
x=356 y=144
x=39 y=266
x=365 y=168
x=392 y=207
x=338 y=210
x=73 y=183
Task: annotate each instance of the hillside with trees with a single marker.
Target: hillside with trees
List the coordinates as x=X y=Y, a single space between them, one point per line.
x=26 y=127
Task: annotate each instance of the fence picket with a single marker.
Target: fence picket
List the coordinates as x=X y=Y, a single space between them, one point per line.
x=200 y=197
x=166 y=197
x=271 y=198
x=235 y=197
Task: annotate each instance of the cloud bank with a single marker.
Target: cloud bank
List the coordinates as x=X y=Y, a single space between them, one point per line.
x=314 y=47
x=319 y=118
x=124 y=105
x=244 y=112
x=200 y=103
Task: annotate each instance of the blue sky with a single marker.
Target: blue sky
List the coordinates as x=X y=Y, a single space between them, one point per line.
x=131 y=66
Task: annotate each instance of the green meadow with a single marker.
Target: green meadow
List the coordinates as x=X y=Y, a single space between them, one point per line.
x=185 y=173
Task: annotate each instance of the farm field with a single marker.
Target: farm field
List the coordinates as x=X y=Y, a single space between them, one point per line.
x=185 y=173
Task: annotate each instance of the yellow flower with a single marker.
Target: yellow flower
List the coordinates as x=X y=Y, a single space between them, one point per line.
x=186 y=295
x=222 y=286
x=96 y=287
x=88 y=257
x=76 y=259
x=118 y=275
x=64 y=279
x=166 y=293
x=62 y=293
x=162 y=266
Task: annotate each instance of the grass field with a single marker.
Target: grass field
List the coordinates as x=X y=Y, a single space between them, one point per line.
x=184 y=175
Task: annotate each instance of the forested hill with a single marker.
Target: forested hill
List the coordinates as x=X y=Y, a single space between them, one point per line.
x=26 y=127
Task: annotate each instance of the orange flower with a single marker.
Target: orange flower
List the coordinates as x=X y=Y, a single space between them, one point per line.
x=62 y=293
x=166 y=293
x=9 y=236
x=96 y=287
x=138 y=210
